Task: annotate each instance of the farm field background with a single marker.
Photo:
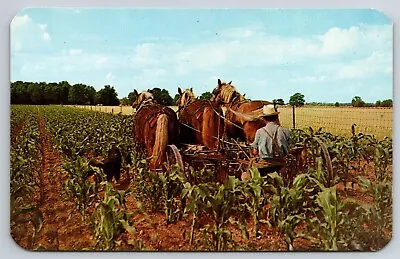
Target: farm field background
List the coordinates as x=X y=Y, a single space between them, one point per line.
x=336 y=120
x=59 y=202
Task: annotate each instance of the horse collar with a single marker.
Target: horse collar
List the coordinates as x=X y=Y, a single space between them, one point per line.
x=144 y=103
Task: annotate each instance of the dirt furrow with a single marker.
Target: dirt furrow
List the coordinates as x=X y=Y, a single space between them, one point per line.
x=63 y=228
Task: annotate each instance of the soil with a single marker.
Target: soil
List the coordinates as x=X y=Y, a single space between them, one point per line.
x=62 y=224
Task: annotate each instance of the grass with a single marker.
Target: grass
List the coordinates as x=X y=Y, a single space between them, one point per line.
x=336 y=120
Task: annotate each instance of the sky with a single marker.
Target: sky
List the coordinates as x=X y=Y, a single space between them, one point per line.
x=328 y=55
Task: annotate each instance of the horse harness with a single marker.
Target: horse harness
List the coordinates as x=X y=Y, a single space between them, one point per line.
x=190 y=102
x=144 y=103
x=154 y=113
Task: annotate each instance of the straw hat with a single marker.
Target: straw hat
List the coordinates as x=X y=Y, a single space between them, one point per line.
x=269 y=110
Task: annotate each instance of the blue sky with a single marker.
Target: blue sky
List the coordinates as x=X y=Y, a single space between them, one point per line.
x=328 y=55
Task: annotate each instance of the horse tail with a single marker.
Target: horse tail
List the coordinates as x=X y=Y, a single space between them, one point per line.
x=209 y=127
x=161 y=141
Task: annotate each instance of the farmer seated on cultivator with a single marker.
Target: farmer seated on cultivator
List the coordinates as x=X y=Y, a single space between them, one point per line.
x=271 y=142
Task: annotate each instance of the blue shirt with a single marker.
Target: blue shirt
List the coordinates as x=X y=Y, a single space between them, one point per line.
x=264 y=139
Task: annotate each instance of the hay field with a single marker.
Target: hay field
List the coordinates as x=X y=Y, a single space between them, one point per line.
x=336 y=120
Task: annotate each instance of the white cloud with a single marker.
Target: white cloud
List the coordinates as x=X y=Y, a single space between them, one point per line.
x=100 y=61
x=150 y=55
x=338 y=54
x=75 y=51
x=245 y=55
x=243 y=32
x=149 y=78
x=110 y=76
x=378 y=63
x=43 y=27
x=356 y=38
x=25 y=34
x=339 y=40
x=19 y=21
x=16 y=45
x=309 y=79
x=46 y=36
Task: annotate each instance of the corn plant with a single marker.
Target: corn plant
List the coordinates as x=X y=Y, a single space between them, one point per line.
x=380 y=212
x=255 y=198
x=25 y=156
x=172 y=185
x=78 y=187
x=202 y=175
x=148 y=185
x=110 y=218
x=337 y=223
x=220 y=201
x=288 y=206
x=380 y=189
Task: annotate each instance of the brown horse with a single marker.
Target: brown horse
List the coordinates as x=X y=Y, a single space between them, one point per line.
x=156 y=126
x=201 y=120
x=242 y=120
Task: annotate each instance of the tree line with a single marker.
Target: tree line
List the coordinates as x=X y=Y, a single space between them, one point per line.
x=298 y=100
x=41 y=93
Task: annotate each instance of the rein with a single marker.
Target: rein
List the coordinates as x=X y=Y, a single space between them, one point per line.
x=199 y=131
x=189 y=102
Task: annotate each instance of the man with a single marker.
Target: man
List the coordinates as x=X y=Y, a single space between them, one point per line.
x=271 y=141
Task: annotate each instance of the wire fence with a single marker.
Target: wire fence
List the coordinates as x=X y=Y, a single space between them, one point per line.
x=336 y=120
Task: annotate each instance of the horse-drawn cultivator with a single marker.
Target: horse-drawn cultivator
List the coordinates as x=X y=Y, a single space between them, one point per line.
x=236 y=159
x=207 y=138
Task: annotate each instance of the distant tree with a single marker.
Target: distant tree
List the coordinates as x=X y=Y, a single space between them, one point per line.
x=206 y=96
x=162 y=96
x=387 y=103
x=107 y=96
x=19 y=93
x=337 y=104
x=81 y=94
x=51 y=93
x=76 y=94
x=279 y=101
x=125 y=102
x=36 y=93
x=378 y=103
x=64 y=92
x=131 y=98
x=357 y=102
x=297 y=99
x=90 y=94
x=176 y=97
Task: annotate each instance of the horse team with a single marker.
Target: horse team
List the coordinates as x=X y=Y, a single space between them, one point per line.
x=200 y=121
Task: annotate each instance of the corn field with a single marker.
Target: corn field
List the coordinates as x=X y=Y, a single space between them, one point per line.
x=59 y=201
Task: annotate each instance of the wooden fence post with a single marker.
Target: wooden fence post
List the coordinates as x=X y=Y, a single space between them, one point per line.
x=294 y=117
